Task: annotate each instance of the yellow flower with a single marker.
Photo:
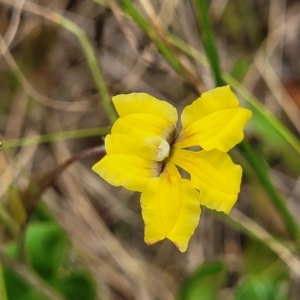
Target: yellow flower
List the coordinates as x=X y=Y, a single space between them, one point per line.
x=143 y=149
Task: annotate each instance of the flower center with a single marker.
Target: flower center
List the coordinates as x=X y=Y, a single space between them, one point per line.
x=163 y=150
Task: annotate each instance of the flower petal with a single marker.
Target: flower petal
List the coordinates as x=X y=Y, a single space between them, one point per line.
x=214 y=174
x=143 y=115
x=213 y=121
x=170 y=208
x=155 y=148
x=129 y=161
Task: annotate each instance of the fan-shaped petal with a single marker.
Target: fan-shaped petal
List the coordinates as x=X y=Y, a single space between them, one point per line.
x=214 y=174
x=130 y=161
x=142 y=115
x=170 y=208
x=155 y=148
x=213 y=121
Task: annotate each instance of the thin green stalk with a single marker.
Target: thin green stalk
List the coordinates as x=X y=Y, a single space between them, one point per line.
x=256 y=163
x=208 y=41
x=86 y=46
x=187 y=49
x=250 y=155
x=258 y=108
x=72 y=134
x=242 y=223
x=151 y=33
x=92 y=62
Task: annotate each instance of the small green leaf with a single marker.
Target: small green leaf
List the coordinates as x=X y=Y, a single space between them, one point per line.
x=204 y=282
x=45 y=245
x=77 y=286
x=16 y=288
x=240 y=68
x=259 y=289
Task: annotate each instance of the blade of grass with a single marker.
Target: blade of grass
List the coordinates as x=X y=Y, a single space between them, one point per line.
x=256 y=162
x=242 y=223
x=156 y=33
x=91 y=60
x=86 y=46
x=165 y=50
x=259 y=109
x=250 y=155
x=208 y=41
x=72 y=134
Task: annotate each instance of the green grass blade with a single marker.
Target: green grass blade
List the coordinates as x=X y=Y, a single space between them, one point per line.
x=259 y=109
x=162 y=47
x=92 y=63
x=244 y=224
x=256 y=162
x=46 y=138
x=208 y=41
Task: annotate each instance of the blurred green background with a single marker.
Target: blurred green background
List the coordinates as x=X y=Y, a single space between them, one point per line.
x=67 y=234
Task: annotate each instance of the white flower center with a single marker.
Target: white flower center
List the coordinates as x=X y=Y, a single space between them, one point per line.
x=163 y=150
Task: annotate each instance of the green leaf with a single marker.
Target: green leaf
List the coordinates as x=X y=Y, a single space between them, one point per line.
x=240 y=68
x=2 y=285
x=77 y=286
x=204 y=282
x=45 y=245
x=259 y=289
x=16 y=288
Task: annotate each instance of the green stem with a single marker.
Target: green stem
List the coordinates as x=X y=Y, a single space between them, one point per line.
x=72 y=134
x=258 y=108
x=208 y=41
x=162 y=47
x=242 y=223
x=92 y=62
x=256 y=162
